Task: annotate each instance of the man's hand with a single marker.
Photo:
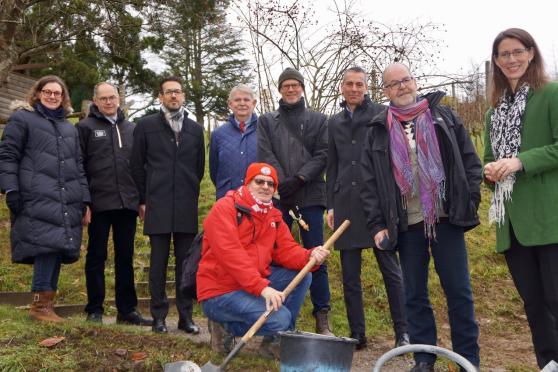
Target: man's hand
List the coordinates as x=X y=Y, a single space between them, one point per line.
x=273 y=298
x=329 y=219
x=290 y=186
x=141 y=212
x=320 y=254
x=498 y=170
x=86 y=220
x=379 y=237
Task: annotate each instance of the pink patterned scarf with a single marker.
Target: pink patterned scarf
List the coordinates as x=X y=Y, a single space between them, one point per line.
x=431 y=176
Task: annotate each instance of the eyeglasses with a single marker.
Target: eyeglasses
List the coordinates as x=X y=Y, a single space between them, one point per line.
x=516 y=53
x=260 y=182
x=290 y=86
x=49 y=93
x=107 y=99
x=170 y=92
x=398 y=84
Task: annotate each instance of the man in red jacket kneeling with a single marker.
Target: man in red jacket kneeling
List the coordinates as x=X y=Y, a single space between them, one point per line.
x=248 y=258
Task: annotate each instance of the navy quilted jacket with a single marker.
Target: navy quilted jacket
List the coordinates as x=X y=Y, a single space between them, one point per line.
x=230 y=154
x=41 y=159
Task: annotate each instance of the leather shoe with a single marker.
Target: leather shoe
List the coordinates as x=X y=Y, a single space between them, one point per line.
x=159 y=326
x=95 y=317
x=133 y=317
x=423 y=367
x=188 y=326
x=362 y=342
x=402 y=339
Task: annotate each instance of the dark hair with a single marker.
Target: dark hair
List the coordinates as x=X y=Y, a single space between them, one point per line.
x=167 y=79
x=33 y=95
x=355 y=69
x=535 y=75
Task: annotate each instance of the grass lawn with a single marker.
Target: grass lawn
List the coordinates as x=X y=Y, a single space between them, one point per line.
x=498 y=310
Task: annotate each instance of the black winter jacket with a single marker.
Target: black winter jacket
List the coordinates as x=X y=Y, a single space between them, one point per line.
x=106 y=151
x=278 y=147
x=343 y=179
x=380 y=194
x=40 y=158
x=168 y=176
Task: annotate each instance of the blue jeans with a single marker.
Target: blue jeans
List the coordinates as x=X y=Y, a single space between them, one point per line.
x=450 y=262
x=314 y=217
x=46 y=270
x=239 y=310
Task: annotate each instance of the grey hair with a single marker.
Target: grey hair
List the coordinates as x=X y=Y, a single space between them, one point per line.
x=356 y=69
x=244 y=88
x=96 y=87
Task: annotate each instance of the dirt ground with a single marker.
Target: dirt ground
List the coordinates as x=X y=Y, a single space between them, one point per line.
x=498 y=353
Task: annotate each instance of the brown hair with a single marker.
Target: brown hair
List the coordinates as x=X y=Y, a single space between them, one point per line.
x=32 y=97
x=169 y=78
x=535 y=75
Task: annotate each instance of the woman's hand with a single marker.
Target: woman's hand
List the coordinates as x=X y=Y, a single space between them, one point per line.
x=499 y=170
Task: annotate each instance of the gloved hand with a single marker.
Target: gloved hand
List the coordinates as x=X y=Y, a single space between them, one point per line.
x=13 y=202
x=290 y=186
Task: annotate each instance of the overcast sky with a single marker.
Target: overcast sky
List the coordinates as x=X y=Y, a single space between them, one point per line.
x=471 y=25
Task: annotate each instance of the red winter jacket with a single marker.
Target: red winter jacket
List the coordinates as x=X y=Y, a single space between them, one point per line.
x=239 y=256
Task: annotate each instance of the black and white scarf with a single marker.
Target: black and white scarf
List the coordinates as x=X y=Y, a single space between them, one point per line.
x=175 y=118
x=505 y=138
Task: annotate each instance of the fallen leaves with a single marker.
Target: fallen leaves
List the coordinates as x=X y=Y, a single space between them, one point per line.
x=137 y=356
x=52 y=341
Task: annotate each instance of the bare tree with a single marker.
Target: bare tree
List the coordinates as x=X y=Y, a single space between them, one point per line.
x=285 y=34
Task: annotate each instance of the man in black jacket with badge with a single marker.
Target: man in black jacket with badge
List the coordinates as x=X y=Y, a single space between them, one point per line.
x=347 y=131
x=106 y=142
x=168 y=162
x=293 y=139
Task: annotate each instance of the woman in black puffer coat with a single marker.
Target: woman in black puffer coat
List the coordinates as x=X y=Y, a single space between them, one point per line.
x=47 y=193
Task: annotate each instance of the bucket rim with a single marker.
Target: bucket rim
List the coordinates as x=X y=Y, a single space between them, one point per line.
x=315 y=336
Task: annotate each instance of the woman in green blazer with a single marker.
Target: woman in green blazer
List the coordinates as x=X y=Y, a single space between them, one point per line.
x=521 y=163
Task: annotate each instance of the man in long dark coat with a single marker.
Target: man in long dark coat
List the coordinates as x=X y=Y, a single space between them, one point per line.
x=168 y=160
x=347 y=131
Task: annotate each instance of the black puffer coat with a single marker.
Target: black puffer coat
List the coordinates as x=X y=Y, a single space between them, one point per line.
x=40 y=158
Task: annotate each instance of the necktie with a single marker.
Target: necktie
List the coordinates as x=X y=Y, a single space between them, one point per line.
x=242 y=126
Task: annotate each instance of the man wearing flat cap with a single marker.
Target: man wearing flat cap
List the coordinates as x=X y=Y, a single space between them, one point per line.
x=293 y=139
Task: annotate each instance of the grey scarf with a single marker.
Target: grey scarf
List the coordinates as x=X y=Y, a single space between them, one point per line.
x=174 y=118
x=505 y=138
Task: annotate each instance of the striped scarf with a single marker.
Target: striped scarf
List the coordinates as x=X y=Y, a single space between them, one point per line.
x=431 y=178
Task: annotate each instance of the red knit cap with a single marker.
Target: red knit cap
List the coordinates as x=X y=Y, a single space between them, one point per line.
x=260 y=168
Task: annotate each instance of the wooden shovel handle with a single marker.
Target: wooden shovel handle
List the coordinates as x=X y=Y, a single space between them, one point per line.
x=296 y=280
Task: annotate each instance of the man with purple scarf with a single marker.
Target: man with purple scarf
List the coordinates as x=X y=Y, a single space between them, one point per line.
x=421 y=190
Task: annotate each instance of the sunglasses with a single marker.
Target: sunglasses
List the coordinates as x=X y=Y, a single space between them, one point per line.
x=260 y=182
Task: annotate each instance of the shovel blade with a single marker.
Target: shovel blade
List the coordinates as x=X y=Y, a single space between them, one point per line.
x=210 y=367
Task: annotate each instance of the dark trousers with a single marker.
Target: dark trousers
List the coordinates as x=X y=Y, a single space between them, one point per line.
x=351 y=263
x=535 y=274
x=123 y=223
x=319 y=289
x=450 y=262
x=46 y=270
x=160 y=248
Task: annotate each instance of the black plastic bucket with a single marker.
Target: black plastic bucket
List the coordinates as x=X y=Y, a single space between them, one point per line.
x=304 y=352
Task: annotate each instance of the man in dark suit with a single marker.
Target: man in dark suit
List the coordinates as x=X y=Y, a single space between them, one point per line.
x=347 y=131
x=168 y=160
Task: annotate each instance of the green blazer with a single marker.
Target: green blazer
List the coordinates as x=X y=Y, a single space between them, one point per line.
x=533 y=210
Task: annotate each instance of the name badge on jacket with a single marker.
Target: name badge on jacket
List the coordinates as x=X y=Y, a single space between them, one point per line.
x=99 y=133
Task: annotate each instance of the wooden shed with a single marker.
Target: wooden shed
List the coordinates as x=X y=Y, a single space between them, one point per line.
x=16 y=88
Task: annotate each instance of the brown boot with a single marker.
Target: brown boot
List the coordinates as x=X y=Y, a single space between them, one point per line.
x=42 y=308
x=221 y=341
x=322 y=323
